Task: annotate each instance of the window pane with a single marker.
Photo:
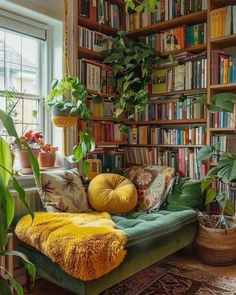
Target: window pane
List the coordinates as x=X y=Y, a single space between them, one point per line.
x=2 y=104
x=1 y=75
x=13 y=76
x=17 y=112
x=29 y=106
x=29 y=52
x=1 y=45
x=27 y=127
x=13 y=48
x=29 y=80
x=19 y=129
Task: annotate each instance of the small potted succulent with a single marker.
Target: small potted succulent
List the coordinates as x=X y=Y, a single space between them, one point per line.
x=34 y=141
x=47 y=155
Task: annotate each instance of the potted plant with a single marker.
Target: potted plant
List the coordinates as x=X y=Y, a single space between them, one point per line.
x=47 y=155
x=131 y=62
x=33 y=140
x=7 y=282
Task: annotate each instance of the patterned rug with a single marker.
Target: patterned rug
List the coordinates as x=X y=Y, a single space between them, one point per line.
x=170 y=279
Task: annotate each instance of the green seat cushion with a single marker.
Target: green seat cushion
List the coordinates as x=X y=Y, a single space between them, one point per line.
x=140 y=226
x=185 y=194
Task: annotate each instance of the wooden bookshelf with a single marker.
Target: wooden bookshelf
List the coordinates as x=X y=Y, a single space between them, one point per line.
x=224 y=41
x=165 y=145
x=189 y=19
x=194 y=49
x=102 y=28
x=223 y=87
x=90 y=54
x=179 y=92
x=166 y=122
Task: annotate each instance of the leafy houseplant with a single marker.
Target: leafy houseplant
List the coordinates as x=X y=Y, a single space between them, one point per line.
x=47 y=155
x=7 y=202
x=131 y=62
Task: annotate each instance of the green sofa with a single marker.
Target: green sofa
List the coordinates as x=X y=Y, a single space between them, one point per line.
x=151 y=237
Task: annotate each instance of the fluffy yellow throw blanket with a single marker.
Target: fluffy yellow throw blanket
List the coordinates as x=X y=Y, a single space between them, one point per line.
x=85 y=245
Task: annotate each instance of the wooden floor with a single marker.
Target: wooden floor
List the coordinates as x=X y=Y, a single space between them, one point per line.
x=45 y=288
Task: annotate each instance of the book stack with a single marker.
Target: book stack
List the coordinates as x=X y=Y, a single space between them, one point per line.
x=100 y=11
x=222 y=120
x=141 y=155
x=93 y=40
x=106 y=132
x=223 y=21
x=223 y=67
x=165 y=10
x=181 y=37
x=167 y=136
x=95 y=75
x=100 y=109
x=191 y=73
x=111 y=159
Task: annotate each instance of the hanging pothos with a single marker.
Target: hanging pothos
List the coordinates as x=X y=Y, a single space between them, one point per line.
x=140 y=6
x=131 y=62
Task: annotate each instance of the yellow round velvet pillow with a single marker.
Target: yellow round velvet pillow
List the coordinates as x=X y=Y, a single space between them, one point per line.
x=112 y=193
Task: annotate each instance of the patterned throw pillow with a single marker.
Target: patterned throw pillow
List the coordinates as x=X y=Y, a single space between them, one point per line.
x=151 y=183
x=62 y=191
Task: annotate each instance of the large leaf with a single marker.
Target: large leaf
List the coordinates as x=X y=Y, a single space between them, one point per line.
x=211 y=194
x=227 y=162
x=10 y=207
x=5 y=161
x=16 y=286
x=205 y=152
x=223 y=101
x=4 y=288
x=3 y=218
x=8 y=123
x=34 y=165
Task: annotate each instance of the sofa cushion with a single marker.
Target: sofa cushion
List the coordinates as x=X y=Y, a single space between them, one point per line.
x=151 y=182
x=112 y=193
x=62 y=191
x=185 y=194
x=141 y=226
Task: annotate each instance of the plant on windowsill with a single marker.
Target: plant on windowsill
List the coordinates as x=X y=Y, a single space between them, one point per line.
x=7 y=209
x=47 y=155
x=131 y=62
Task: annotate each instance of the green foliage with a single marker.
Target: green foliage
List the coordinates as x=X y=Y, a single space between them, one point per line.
x=7 y=207
x=139 y=6
x=131 y=63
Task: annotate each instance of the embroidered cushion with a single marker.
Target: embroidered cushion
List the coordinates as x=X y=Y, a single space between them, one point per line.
x=151 y=183
x=112 y=193
x=62 y=190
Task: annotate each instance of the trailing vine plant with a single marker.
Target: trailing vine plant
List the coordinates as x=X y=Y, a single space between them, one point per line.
x=139 y=6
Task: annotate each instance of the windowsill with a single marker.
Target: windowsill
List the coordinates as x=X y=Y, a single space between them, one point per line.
x=26 y=181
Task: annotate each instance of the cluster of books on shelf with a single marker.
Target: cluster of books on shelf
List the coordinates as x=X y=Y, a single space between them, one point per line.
x=226 y=143
x=184 y=160
x=167 y=136
x=222 y=120
x=223 y=21
x=93 y=40
x=101 y=109
x=95 y=76
x=107 y=132
x=165 y=10
x=190 y=74
x=101 y=11
x=111 y=159
x=177 y=109
x=223 y=67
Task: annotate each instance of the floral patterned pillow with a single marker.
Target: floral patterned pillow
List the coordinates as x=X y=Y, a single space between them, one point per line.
x=62 y=191
x=151 y=183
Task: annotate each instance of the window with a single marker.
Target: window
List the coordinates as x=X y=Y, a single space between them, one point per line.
x=22 y=60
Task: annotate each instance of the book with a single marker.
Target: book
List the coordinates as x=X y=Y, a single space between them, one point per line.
x=159 y=81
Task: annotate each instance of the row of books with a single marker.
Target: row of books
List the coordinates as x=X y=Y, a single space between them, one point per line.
x=95 y=76
x=100 y=109
x=111 y=159
x=223 y=67
x=227 y=143
x=223 y=21
x=222 y=120
x=178 y=109
x=106 y=131
x=165 y=10
x=167 y=136
x=100 y=11
x=179 y=38
x=93 y=40
x=190 y=75
x=182 y=159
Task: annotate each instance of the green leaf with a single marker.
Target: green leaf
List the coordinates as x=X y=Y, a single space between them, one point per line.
x=10 y=207
x=34 y=165
x=229 y=208
x=5 y=161
x=8 y=123
x=205 y=152
x=85 y=167
x=227 y=164
x=211 y=194
x=77 y=152
x=4 y=288
x=206 y=182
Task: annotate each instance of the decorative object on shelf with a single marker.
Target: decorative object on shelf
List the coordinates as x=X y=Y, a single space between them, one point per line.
x=47 y=155
x=217 y=236
x=34 y=141
x=131 y=67
x=7 y=208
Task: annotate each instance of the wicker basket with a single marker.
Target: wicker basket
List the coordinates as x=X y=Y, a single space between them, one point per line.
x=216 y=246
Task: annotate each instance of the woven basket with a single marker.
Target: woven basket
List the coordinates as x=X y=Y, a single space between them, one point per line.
x=216 y=246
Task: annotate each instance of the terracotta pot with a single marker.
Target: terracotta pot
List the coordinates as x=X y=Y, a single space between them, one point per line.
x=24 y=157
x=47 y=159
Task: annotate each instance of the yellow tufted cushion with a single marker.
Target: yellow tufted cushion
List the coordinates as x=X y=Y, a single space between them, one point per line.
x=112 y=193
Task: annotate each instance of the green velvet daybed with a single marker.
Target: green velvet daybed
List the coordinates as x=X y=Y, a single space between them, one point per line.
x=151 y=237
